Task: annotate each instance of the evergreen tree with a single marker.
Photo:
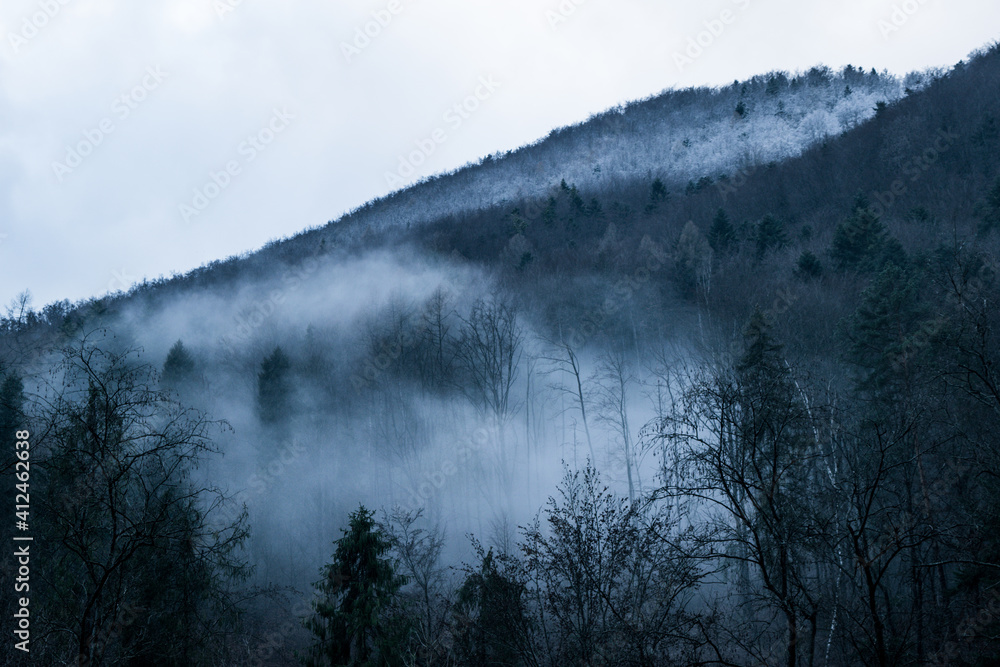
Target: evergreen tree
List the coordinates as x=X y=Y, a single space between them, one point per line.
x=578 y=206
x=989 y=211
x=885 y=332
x=549 y=212
x=274 y=388
x=657 y=195
x=355 y=623
x=770 y=235
x=491 y=617
x=179 y=367
x=858 y=241
x=762 y=354
x=809 y=267
x=721 y=235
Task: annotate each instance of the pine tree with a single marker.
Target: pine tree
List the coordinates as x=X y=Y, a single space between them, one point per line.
x=179 y=368
x=989 y=211
x=657 y=195
x=762 y=354
x=549 y=212
x=491 y=616
x=858 y=241
x=809 y=267
x=721 y=235
x=885 y=333
x=273 y=388
x=770 y=235
x=354 y=622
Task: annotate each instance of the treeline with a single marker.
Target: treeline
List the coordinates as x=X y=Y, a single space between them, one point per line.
x=798 y=518
x=816 y=341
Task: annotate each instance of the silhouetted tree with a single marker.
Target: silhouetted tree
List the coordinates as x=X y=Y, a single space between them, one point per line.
x=771 y=235
x=179 y=367
x=809 y=267
x=356 y=620
x=858 y=241
x=274 y=388
x=141 y=572
x=721 y=235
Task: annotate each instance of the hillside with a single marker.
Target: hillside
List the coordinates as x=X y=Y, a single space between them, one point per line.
x=709 y=379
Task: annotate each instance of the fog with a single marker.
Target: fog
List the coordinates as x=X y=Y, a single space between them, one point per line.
x=366 y=424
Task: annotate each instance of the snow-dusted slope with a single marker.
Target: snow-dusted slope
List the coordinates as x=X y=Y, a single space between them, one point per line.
x=677 y=136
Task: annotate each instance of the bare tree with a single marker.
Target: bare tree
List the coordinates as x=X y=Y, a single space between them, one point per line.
x=122 y=513
x=19 y=308
x=488 y=356
x=418 y=553
x=564 y=359
x=612 y=577
x=743 y=439
x=613 y=380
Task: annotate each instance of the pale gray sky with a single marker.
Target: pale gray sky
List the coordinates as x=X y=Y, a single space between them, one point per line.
x=308 y=128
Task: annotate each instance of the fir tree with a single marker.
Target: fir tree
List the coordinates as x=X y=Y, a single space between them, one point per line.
x=179 y=367
x=770 y=235
x=885 y=333
x=273 y=388
x=989 y=211
x=657 y=195
x=809 y=267
x=354 y=622
x=721 y=235
x=859 y=240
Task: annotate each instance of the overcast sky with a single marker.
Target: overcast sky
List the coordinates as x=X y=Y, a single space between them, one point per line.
x=145 y=138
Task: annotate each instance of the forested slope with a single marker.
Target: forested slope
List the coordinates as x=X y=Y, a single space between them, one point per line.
x=726 y=403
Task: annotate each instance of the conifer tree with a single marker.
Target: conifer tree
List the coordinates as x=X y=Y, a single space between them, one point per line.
x=859 y=241
x=178 y=368
x=354 y=622
x=809 y=267
x=989 y=211
x=721 y=235
x=770 y=235
x=273 y=388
